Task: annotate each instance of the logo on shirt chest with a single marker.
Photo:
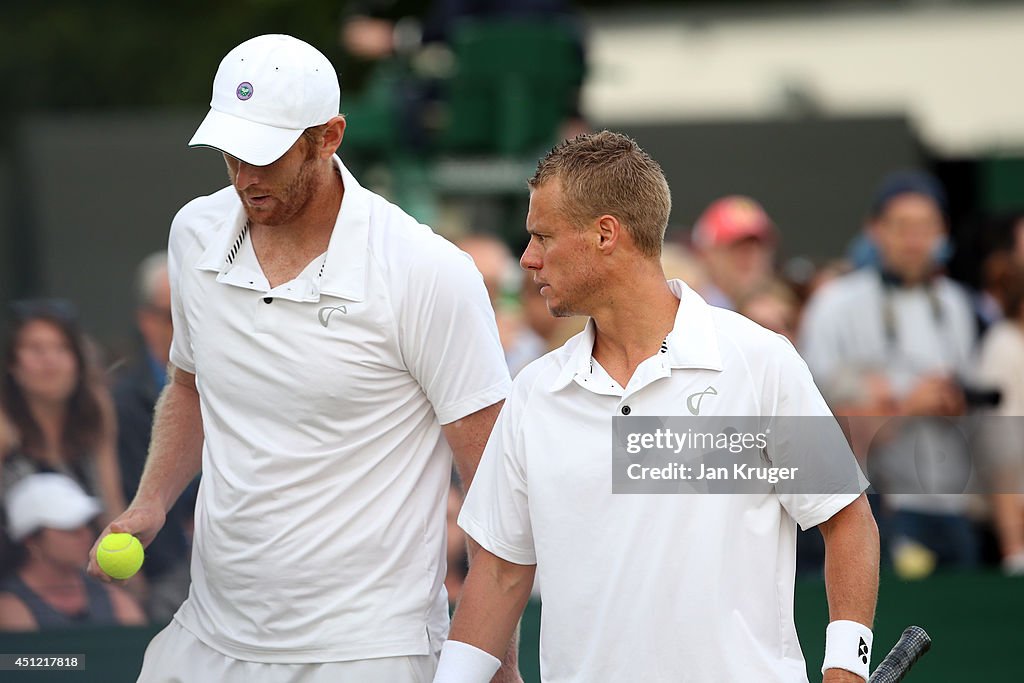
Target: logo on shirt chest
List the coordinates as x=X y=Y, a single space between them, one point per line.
x=325 y=313
x=693 y=401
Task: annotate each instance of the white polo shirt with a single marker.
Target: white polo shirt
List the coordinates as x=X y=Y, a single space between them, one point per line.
x=320 y=522
x=688 y=587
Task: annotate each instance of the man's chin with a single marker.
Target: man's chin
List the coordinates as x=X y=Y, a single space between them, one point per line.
x=263 y=217
x=560 y=311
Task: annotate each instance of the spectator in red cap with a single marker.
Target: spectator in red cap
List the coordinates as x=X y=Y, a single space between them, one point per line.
x=736 y=241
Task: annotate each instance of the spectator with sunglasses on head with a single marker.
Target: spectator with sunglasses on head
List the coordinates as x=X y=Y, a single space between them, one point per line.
x=59 y=413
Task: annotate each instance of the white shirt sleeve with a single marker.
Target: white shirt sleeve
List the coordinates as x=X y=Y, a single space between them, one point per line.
x=448 y=334
x=496 y=513
x=807 y=436
x=179 y=244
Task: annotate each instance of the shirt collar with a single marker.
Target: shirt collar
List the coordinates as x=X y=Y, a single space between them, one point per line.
x=692 y=343
x=344 y=271
x=221 y=251
x=579 y=357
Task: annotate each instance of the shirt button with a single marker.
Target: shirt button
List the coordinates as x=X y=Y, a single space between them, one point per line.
x=268 y=300
x=626 y=410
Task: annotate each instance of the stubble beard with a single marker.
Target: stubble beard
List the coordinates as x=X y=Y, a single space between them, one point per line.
x=292 y=199
x=561 y=311
x=569 y=305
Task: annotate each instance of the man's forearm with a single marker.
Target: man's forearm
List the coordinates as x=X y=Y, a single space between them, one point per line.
x=467 y=438
x=851 y=563
x=176 y=448
x=851 y=583
x=493 y=599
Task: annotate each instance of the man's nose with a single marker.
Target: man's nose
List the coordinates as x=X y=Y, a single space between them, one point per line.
x=246 y=176
x=530 y=259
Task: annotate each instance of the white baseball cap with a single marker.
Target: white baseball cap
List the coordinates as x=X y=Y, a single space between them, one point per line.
x=266 y=92
x=49 y=500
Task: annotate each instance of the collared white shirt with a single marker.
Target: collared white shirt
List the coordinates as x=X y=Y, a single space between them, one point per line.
x=320 y=522
x=694 y=587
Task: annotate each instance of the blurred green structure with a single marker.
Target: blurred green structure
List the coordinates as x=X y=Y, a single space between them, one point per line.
x=1002 y=184
x=512 y=87
x=477 y=130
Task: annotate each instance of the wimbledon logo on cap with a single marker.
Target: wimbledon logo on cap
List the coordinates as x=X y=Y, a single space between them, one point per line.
x=244 y=90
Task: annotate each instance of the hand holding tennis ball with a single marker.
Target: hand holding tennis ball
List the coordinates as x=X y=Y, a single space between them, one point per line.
x=143 y=519
x=120 y=555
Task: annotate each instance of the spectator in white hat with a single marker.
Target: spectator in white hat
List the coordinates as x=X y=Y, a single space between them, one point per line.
x=48 y=516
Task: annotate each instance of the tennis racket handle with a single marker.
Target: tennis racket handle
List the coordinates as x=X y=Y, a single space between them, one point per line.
x=914 y=642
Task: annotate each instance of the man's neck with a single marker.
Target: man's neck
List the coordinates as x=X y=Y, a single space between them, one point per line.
x=632 y=322
x=283 y=251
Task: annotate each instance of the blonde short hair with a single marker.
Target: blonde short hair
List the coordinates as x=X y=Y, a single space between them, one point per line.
x=608 y=173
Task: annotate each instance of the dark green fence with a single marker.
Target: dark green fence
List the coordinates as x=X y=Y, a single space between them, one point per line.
x=976 y=622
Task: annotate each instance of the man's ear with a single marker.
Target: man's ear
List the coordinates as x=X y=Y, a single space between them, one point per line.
x=609 y=232
x=333 y=135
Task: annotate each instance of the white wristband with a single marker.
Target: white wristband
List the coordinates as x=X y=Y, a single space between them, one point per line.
x=848 y=646
x=462 y=663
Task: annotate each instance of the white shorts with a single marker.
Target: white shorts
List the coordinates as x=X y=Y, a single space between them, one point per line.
x=177 y=656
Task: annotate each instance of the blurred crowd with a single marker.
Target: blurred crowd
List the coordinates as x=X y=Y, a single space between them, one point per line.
x=73 y=441
x=883 y=330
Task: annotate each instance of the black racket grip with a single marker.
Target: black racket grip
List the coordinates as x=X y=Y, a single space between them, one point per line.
x=911 y=646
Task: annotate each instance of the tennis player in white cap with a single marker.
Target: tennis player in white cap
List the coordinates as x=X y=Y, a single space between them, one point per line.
x=330 y=354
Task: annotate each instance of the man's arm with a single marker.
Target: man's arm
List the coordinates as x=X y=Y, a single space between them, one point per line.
x=851 y=571
x=175 y=458
x=467 y=438
x=493 y=600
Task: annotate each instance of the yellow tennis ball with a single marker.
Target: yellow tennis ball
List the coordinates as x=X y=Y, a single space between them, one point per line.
x=913 y=561
x=120 y=555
